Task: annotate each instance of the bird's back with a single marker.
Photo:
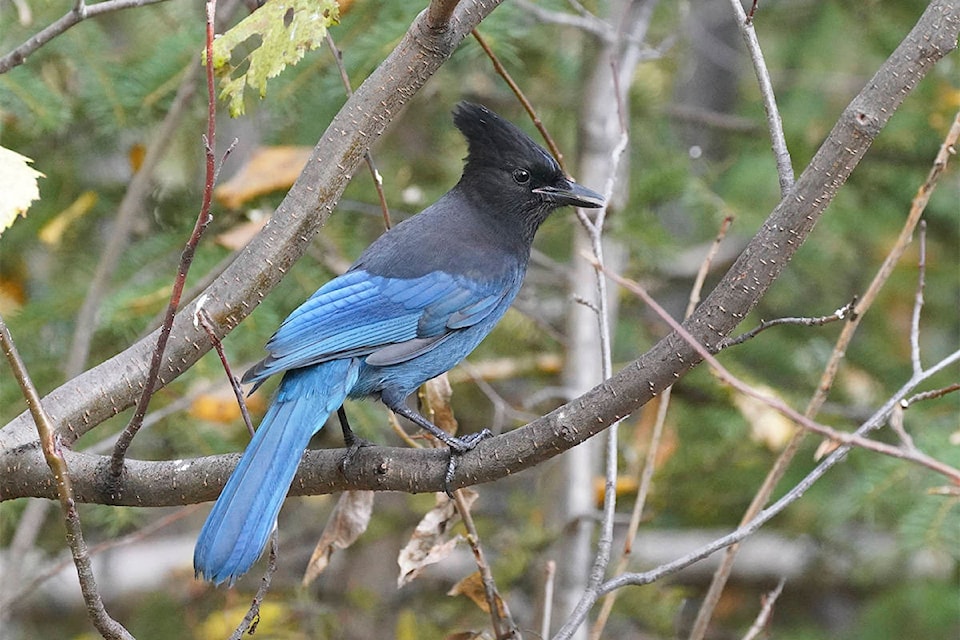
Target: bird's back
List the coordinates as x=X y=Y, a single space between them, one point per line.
x=452 y=236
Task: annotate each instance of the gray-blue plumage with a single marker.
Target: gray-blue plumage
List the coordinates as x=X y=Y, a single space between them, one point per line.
x=415 y=303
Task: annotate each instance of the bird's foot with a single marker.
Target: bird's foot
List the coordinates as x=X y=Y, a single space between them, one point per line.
x=458 y=447
x=354 y=444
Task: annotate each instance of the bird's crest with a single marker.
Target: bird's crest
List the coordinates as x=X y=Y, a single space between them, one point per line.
x=491 y=139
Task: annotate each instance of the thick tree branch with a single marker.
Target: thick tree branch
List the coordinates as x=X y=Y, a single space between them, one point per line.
x=114 y=385
x=184 y=481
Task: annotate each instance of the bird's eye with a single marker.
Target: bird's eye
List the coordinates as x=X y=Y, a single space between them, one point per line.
x=521 y=176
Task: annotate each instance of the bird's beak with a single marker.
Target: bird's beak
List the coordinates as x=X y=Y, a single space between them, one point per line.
x=566 y=192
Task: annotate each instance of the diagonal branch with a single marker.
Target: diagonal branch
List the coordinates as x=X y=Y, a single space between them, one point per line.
x=77 y=14
x=89 y=399
x=105 y=390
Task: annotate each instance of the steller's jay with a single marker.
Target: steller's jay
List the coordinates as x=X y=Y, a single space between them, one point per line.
x=416 y=302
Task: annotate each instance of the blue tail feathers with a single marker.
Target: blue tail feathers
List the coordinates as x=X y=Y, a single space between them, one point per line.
x=237 y=529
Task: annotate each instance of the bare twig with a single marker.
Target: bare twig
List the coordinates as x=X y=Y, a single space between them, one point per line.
x=503 y=625
x=136 y=536
x=594 y=229
x=848 y=439
x=840 y=314
x=204 y=320
x=774 y=122
x=186 y=258
x=53 y=453
x=930 y=395
x=248 y=626
x=918 y=301
x=585 y=20
x=76 y=15
x=367 y=155
x=517 y=91
x=439 y=13
x=794 y=494
x=825 y=384
x=763 y=618
x=649 y=464
x=549 y=576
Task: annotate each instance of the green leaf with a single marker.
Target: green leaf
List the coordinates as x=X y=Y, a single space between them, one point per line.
x=285 y=29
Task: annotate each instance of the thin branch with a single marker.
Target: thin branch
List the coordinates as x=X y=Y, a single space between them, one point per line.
x=594 y=229
x=549 y=582
x=653 y=449
x=367 y=155
x=204 y=320
x=76 y=15
x=918 y=300
x=135 y=536
x=503 y=625
x=248 y=626
x=585 y=21
x=204 y=218
x=840 y=314
x=931 y=395
x=795 y=493
x=439 y=13
x=517 y=91
x=829 y=374
x=774 y=122
x=53 y=453
x=763 y=618
x=848 y=439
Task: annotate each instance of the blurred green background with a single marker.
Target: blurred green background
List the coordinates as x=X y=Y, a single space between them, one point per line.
x=873 y=547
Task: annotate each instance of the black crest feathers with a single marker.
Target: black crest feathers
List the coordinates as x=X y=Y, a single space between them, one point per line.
x=491 y=140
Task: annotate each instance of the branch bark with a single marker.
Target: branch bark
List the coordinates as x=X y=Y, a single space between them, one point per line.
x=87 y=400
x=105 y=390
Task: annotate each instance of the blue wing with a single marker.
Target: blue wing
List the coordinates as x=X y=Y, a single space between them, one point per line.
x=386 y=320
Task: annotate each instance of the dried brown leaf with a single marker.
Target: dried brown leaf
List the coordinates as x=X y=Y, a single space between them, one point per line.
x=431 y=542
x=268 y=169
x=472 y=587
x=237 y=236
x=348 y=520
x=435 y=395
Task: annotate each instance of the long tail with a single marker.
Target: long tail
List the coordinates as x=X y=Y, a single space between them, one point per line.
x=237 y=529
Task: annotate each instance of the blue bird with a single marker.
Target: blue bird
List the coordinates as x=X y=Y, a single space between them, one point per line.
x=416 y=302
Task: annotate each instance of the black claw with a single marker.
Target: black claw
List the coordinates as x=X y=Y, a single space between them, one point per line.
x=353 y=442
x=451 y=469
x=469 y=441
x=458 y=447
x=356 y=443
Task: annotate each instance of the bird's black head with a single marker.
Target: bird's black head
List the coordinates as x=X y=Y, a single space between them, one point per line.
x=511 y=172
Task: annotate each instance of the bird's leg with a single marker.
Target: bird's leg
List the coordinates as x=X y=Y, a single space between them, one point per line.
x=458 y=446
x=353 y=441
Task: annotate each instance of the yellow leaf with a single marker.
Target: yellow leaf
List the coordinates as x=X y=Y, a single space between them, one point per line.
x=18 y=186
x=472 y=587
x=767 y=425
x=624 y=486
x=274 y=617
x=52 y=232
x=221 y=406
